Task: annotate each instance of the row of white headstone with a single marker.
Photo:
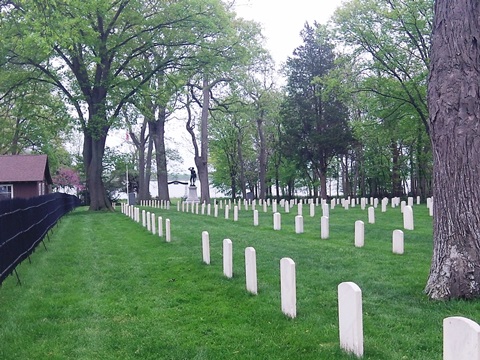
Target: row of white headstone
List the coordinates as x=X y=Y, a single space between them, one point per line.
x=148 y=220
x=159 y=204
x=461 y=336
x=346 y=203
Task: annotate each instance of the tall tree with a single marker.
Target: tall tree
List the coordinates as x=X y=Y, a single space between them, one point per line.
x=315 y=120
x=454 y=106
x=389 y=43
x=90 y=50
x=221 y=61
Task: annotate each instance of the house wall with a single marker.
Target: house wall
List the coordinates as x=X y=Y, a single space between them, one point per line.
x=27 y=190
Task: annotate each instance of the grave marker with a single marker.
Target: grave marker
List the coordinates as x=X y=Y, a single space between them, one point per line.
x=350 y=318
x=461 y=339
x=206 y=247
x=255 y=217
x=371 y=215
x=324 y=228
x=235 y=213
x=277 y=221
x=397 y=242
x=167 y=231
x=288 y=287
x=227 y=258
x=299 y=224
x=251 y=270
x=359 y=233
x=160 y=226
x=153 y=223
x=408 y=217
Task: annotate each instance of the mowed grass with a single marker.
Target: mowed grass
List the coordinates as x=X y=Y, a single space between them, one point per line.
x=108 y=289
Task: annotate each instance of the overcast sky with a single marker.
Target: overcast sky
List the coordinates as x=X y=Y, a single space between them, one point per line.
x=282 y=20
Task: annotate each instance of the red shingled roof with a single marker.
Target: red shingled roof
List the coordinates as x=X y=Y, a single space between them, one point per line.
x=24 y=168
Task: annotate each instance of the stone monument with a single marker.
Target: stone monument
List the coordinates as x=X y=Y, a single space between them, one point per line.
x=192 y=189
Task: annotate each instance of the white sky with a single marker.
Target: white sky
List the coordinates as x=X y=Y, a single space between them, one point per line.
x=282 y=20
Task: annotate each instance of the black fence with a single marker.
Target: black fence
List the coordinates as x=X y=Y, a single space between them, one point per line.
x=25 y=222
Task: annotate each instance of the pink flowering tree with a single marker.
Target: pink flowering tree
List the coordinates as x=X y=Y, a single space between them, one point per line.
x=68 y=178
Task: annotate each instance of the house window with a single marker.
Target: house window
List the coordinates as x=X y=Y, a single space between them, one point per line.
x=6 y=192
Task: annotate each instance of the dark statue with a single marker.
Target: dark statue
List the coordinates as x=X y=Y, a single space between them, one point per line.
x=193 y=176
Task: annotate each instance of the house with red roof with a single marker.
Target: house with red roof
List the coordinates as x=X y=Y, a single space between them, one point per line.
x=24 y=176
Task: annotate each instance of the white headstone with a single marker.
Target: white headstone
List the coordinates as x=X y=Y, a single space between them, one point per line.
x=402 y=206
x=300 y=208
x=397 y=241
x=324 y=228
x=206 y=247
x=350 y=318
x=299 y=224
x=144 y=218
x=153 y=223
x=461 y=339
x=359 y=233
x=215 y=210
x=264 y=206
x=287 y=207
x=362 y=203
x=168 y=237
x=277 y=221
x=384 y=204
x=371 y=215
x=226 y=211
x=312 y=209
x=325 y=210
x=410 y=201
x=160 y=226
x=408 y=217
x=418 y=200
x=288 y=287
x=251 y=270
x=228 y=258
x=255 y=217
x=149 y=218
x=209 y=209
x=274 y=206
x=235 y=213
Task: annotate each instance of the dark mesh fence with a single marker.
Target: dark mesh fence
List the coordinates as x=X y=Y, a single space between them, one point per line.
x=25 y=222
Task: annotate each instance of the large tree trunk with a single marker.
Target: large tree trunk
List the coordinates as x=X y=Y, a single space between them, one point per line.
x=454 y=106
x=396 y=179
x=201 y=161
x=93 y=149
x=262 y=158
x=157 y=132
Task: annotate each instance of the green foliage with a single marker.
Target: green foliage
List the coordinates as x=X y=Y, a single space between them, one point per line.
x=386 y=45
x=315 y=127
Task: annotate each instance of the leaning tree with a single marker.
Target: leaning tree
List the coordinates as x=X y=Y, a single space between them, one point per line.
x=454 y=106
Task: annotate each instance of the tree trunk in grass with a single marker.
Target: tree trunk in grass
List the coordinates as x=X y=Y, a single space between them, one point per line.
x=93 y=150
x=454 y=106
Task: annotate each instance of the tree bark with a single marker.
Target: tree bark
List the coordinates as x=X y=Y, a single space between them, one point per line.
x=157 y=132
x=454 y=106
x=262 y=158
x=93 y=149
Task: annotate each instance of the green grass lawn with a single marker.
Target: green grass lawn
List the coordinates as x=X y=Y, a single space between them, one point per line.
x=108 y=289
